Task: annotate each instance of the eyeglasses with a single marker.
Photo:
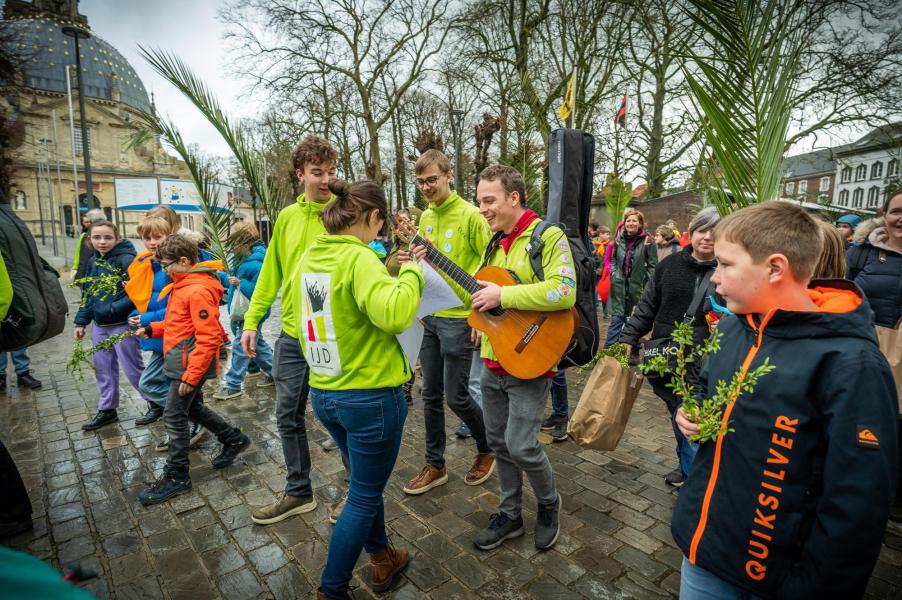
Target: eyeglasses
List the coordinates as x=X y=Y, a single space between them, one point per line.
x=428 y=182
x=165 y=266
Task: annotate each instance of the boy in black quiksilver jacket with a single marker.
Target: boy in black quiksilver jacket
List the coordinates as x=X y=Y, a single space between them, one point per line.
x=793 y=501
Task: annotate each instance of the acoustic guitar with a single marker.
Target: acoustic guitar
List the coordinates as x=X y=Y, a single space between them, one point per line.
x=527 y=343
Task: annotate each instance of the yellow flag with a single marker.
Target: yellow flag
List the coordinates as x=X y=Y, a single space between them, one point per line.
x=567 y=107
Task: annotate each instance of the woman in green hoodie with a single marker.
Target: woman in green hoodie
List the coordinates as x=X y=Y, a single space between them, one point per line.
x=350 y=310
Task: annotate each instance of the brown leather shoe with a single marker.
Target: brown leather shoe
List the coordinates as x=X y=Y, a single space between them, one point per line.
x=428 y=478
x=482 y=469
x=387 y=563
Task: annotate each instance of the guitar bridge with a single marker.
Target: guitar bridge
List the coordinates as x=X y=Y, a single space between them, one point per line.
x=531 y=331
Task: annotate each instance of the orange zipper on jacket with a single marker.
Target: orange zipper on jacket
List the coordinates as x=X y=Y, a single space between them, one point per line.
x=718 y=449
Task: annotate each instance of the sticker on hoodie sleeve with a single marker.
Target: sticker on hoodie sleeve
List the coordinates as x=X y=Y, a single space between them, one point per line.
x=447 y=247
x=565 y=272
x=449 y=233
x=563 y=246
x=429 y=229
x=564 y=290
x=203 y=314
x=320 y=342
x=565 y=258
x=552 y=296
x=569 y=282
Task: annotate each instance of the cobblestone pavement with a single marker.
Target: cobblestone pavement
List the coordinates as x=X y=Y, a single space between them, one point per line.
x=615 y=539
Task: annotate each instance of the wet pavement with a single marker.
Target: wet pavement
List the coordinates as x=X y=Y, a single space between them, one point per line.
x=615 y=540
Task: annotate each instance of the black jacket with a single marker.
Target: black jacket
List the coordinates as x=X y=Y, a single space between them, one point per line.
x=877 y=270
x=793 y=503
x=114 y=309
x=667 y=298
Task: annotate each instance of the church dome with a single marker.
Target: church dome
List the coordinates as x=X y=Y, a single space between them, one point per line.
x=45 y=51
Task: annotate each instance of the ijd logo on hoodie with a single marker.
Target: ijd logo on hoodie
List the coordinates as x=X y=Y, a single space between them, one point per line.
x=320 y=343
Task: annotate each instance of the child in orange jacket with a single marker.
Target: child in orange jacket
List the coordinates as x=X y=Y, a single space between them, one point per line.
x=191 y=336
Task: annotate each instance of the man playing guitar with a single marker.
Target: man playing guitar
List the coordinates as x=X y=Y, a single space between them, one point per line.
x=513 y=407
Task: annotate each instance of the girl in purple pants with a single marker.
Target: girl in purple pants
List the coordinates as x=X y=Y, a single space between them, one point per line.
x=109 y=314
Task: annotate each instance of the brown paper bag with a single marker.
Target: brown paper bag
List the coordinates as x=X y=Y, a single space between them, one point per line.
x=605 y=405
x=891 y=346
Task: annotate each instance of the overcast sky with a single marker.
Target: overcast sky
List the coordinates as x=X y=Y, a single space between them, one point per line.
x=190 y=29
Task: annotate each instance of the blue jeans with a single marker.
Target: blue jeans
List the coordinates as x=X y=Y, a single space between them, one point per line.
x=685 y=450
x=235 y=375
x=367 y=426
x=698 y=584
x=21 y=362
x=614 y=329
x=153 y=383
x=475 y=373
x=559 y=407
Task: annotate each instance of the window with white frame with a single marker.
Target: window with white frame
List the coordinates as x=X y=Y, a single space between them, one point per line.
x=846 y=175
x=803 y=187
x=861 y=173
x=858 y=198
x=892 y=168
x=873 y=196
x=790 y=188
x=825 y=184
x=877 y=170
x=844 y=198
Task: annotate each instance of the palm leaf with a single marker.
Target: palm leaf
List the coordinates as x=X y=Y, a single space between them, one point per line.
x=179 y=74
x=742 y=78
x=617 y=199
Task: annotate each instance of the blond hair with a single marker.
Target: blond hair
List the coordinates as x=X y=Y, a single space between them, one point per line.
x=245 y=233
x=168 y=214
x=151 y=226
x=775 y=227
x=433 y=157
x=632 y=211
x=832 y=262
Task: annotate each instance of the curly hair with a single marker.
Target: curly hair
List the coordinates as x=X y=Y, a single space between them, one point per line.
x=313 y=149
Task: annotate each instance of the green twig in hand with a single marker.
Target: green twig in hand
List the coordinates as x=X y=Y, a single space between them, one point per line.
x=708 y=414
x=80 y=355
x=101 y=287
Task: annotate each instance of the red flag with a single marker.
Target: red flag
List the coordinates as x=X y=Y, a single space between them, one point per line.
x=620 y=119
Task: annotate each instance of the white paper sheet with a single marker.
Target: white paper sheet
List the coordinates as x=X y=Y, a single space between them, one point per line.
x=411 y=339
x=437 y=294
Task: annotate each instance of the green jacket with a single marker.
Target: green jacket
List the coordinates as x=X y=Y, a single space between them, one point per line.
x=350 y=310
x=6 y=290
x=296 y=229
x=625 y=293
x=460 y=233
x=557 y=292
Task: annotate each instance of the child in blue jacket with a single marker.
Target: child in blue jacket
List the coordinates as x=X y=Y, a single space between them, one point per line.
x=249 y=254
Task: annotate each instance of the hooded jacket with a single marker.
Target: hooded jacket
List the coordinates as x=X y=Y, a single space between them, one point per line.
x=247 y=270
x=462 y=234
x=793 y=501
x=880 y=275
x=114 y=308
x=626 y=288
x=667 y=298
x=295 y=230
x=190 y=329
x=349 y=310
x=147 y=269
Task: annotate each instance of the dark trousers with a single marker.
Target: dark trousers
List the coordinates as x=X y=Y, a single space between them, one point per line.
x=291 y=374
x=181 y=409
x=445 y=357
x=559 y=406
x=14 y=503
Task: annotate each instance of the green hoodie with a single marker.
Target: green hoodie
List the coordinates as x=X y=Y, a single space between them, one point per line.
x=296 y=228
x=460 y=233
x=6 y=290
x=557 y=292
x=349 y=310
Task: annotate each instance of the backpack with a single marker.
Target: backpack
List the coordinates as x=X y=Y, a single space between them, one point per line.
x=38 y=309
x=856 y=259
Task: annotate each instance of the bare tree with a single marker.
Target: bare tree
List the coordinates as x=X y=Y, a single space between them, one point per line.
x=366 y=43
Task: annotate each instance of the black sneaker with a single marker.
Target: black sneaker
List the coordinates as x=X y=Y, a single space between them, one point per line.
x=548 y=525
x=197 y=433
x=164 y=489
x=103 y=417
x=553 y=421
x=27 y=381
x=500 y=528
x=559 y=432
x=153 y=414
x=229 y=452
x=675 y=478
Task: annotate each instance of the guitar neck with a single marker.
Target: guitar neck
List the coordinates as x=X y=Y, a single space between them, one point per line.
x=447 y=266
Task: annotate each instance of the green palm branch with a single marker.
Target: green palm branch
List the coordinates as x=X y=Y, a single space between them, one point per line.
x=742 y=77
x=237 y=137
x=217 y=221
x=617 y=199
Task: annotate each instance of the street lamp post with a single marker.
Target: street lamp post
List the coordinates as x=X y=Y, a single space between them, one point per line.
x=81 y=34
x=456 y=118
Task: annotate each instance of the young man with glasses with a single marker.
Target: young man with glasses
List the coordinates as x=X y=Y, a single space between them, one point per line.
x=458 y=231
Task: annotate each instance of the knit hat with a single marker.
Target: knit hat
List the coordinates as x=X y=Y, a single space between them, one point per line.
x=851 y=220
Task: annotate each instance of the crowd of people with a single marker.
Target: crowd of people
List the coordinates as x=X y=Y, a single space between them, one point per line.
x=790 y=500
